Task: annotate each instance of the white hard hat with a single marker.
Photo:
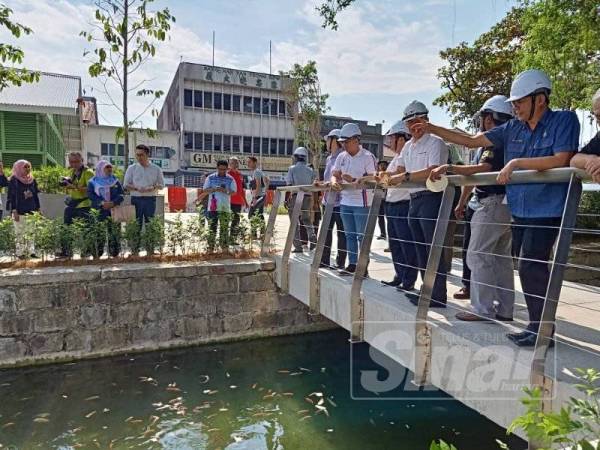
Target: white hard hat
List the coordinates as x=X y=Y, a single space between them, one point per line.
x=497 y=104
x=398 y=128
x=349 y=130
x=529 y=82
x=301 y=151
x=415 y=109
x=335 y=133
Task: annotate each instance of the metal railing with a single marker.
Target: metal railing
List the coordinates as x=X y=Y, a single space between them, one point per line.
x=557 y=264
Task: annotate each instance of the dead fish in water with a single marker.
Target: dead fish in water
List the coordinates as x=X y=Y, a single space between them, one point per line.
x=204 y=379
x=93 y=397
x=148 y=380
x=5 y=384
x=129 y=419
x=284 y=371
x=372 y=422
x=304 y=418
x=8 y=424
x=105 y=410
x=316 y=394
x=303 y=369
x=43 y=415
x=293 y=374
x=309 y=400
x=90 y=414
x=41 y=420
x=302 y=411
x=254 y=385
x=223 y=409
x=210 y=430
x=331 y=402
x=154 y=420
x=233 y=386
x=287 y=394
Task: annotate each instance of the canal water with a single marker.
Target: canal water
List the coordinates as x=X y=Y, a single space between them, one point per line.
x=287 y=393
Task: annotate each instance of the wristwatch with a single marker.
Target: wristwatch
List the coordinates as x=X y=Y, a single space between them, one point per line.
x=406 y=176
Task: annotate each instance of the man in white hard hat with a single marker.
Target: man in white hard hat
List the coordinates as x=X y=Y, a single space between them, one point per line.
x=588 y=157
x=397 y=202
x=489 y=249
x=299 y=174
x=335 y=149
x=354 y=163
x=537 y=139
x=423 y=153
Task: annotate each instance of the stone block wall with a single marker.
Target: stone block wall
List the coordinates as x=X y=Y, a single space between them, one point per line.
x=58 y=314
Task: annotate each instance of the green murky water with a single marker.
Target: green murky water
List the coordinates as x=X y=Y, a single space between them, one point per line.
x=278 y=393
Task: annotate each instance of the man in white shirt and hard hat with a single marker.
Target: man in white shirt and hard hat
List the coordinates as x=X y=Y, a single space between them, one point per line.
x=397 y=202
x=423 y=153
x=355 y=162
x=299 y=174
x=335 y=149
x=489 y=251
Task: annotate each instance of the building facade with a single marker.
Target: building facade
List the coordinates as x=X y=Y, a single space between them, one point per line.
x=224 y=112
x=40 y=121
x=99 y=142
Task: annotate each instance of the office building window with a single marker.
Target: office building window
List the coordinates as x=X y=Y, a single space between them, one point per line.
x=236 y=102
x=188 y=140
x=208 y=142
x=256 y=145
x=265 y=146
x=226 y=143
x=121 y=150
x=247 y=104
x=197 y=141
x=235 y=144
x=187 y=97
x=227 y=102
x=256 y=104
x=290 y=146
x=265 y=106
x=247 y=144
x=282 y=107
x=273 y=149
x=208 y=103
x=281 y=147
x=273 y=107
x=198 y=99
x=217 y=144
x=217 y=100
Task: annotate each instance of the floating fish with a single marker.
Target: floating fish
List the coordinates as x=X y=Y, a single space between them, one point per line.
x=284 y=371
x=93 y=397
x=105 y=410
x=316 y=394
x=8 y=424
x=41 y=420
x=254 y=386
x=90 y=414
x=304 y=418
x=331 y=402
x=302 y=411
x=233 y=386
x=303 y=369
x=287 y=394
x=309 y=400
x=204 y=379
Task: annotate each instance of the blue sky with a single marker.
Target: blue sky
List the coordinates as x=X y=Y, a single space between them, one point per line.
x=384 y=54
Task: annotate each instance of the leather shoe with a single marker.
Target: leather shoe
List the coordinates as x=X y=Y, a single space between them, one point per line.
x=529 y=341
x=432 y=303
x=323 y=266
x=517 y=336
x=296 y=250
x=503 y=319
x=348 y=270
x=392 y=283
x=471 y=317
x=462 y=294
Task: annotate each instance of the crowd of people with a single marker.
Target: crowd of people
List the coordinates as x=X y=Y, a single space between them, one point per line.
x=86 y=190
x=502 y=221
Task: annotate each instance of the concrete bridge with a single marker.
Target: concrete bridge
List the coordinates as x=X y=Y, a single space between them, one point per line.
x=471 y=361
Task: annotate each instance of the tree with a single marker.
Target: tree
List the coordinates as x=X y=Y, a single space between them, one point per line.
x=329 y=11
x=126 y=33
x=306 y=104
x=474 y=73
x=13 y=54
x=563 y=39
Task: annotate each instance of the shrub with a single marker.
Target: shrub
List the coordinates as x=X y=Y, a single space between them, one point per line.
x=133 y=236
x=153 y=236
x=44 y=233
x=48 y=179
x=589 y=211
x=8 y=244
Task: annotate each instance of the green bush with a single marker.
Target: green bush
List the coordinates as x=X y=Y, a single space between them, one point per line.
x=133 y=237
x=153 y=236
x=48 y=179
x=8 y=245
x=589 y=211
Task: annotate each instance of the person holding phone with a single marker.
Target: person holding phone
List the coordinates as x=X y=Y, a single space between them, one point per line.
x=219 y=186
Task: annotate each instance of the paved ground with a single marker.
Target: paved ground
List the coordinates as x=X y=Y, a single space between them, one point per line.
x=578 y=316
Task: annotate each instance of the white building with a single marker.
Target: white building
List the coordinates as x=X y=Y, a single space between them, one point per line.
x=222 y=112
x=99 y=142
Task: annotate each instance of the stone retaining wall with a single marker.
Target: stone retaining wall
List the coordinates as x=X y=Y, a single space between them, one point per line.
x=58 y=314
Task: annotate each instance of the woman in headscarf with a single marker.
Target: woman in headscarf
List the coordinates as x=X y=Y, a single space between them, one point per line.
x=105 y=191
x=23 y=200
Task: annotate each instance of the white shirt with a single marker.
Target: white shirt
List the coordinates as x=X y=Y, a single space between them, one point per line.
x=396 y=194
x=144 y=177
x=363 y=163
x=428 y=151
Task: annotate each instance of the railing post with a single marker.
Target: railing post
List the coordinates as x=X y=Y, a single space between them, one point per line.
x=357 y=315
x=285 y=257
x=538 y=377
x=422 y=328
x=269 y=231
x=314 y=302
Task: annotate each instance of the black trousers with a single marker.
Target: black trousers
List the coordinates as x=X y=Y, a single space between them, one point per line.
x=381 y=220
x=336 y=220
x=466 y=275
x=236 y=210
x=533 y=239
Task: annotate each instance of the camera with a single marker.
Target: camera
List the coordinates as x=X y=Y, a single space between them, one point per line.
x=65 y=181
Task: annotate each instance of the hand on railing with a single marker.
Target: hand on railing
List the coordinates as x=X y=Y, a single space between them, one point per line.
x=506 y=172
x=436 y=174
